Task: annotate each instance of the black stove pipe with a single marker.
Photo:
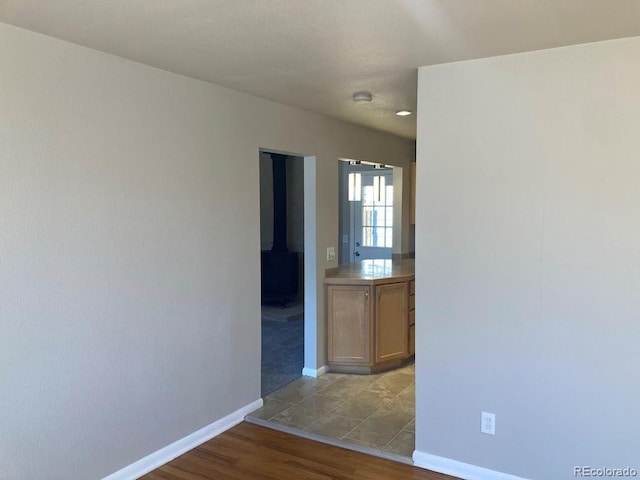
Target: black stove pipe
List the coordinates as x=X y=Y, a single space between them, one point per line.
x=279 y=202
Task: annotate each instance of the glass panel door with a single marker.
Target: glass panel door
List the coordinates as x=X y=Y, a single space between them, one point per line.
x=373 y=217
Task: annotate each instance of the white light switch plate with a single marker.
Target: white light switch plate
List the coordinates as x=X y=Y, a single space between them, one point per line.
x=331 y=254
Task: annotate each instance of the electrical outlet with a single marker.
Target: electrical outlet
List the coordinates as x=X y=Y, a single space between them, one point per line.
x=345 y=238
x=488 y=423
x=331 y=254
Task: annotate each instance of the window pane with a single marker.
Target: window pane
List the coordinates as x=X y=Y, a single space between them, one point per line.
x=389 y=195
x=367 y=237
x=389 y=235
x=367 y=216
x=389 y=217
x=379 y=217
x=367 y=195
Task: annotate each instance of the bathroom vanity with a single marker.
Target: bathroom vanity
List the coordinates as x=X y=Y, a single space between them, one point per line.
x=370 y=315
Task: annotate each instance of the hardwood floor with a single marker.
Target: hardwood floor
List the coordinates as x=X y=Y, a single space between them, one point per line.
x=250 y=452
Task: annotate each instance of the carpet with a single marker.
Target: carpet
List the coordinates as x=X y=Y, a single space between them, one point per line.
x=282 y=353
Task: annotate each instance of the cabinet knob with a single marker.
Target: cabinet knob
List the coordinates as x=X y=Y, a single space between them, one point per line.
x=366 y=294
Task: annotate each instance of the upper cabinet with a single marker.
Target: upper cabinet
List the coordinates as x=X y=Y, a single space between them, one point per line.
x=412 y=206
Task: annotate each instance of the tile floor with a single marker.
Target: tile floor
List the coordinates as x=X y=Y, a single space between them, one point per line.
x=373 y=411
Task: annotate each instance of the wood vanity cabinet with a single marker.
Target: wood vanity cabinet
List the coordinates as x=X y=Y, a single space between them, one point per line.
x=349 y=325
x=391 y=322
x=367 y=325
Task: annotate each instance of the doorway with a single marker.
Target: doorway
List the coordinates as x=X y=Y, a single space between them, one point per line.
x=342 y=408
x=282 y=269
x=369 y=211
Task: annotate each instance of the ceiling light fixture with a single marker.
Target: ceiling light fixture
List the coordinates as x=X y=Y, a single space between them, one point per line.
x=362 y=97
x=403 y=113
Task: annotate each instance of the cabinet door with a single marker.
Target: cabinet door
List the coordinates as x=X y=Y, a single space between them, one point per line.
x=349 y=319
x=391 y=321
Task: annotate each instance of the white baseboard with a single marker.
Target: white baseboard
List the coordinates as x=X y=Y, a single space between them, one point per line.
x=177 y=448
x=311 y=372
x=454 y=468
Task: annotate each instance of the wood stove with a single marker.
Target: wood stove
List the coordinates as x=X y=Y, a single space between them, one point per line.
x=279 y=265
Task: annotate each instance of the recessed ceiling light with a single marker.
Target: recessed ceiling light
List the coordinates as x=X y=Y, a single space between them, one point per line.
x=403 y=113
x=362 y=97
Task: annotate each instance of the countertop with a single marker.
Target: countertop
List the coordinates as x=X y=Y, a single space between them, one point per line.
x=373 y=271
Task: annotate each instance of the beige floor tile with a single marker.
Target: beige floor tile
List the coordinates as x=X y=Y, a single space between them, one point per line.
x=399 y=404
x=332 y=377
x=270 y=408
x=405 y=400
x=380 y=428
x=411 y=426
x=309 y=410
x=333 y=426
x=300 y=389
x=391 y=385
x=361 y=405
x=402 y=444
x=326 y=380
x=407 y=370
x=348 y=387
x=374 y=411
x=409 y=391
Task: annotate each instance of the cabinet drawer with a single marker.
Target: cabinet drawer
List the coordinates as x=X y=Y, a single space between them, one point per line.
x=412 y=317
x=412 y=302
x=412 y=287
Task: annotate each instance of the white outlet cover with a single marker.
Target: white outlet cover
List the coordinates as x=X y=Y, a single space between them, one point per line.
x=331 y=253
x=488 y=423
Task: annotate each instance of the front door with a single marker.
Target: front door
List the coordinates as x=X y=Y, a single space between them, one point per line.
x=373 y=217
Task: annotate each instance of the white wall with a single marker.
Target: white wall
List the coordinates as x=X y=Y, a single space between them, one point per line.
x=528 y=260
x=129 y=251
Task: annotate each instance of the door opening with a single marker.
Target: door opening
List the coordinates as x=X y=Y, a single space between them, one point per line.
x=369 y=217
x=282 y=269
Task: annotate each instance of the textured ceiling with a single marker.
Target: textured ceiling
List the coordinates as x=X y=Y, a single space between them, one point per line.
x=313 y=54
